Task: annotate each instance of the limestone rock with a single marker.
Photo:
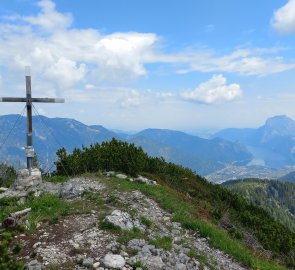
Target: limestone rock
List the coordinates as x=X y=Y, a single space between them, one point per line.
x=76 y=186
x=34 y=265
x=96 y=265
x=136 y=243
x=13 y=193
x=88 y=262
x=123 y=220
x=70 y=190
x=25 y=181
x=52 y=188
x=113 y=261
x=151 y=262
x=145 y=180
x=121 y=176
x=180 y=266
x=109 y=174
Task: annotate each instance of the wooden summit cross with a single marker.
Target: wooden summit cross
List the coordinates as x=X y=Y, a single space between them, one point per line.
x=29 y=150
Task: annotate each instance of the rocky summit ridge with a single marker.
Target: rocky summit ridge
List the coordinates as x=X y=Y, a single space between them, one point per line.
x=109 y=228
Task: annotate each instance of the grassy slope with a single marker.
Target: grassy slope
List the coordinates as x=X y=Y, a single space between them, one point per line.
x=187 y=212
x=204 y=204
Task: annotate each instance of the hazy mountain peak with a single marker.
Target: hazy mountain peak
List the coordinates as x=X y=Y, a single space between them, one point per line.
x=279 y=120
x=280 y=125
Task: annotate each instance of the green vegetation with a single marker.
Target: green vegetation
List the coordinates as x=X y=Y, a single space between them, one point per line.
x=276 y=197
x=202 y=258
x=17 y=248
x=7 y=175
x=114 y=155
x=162 y=242
x=109 y=226
x=235 y=233
x=93 y=197
x=139 y=264
x=195 y=203
x=145 y=221
x=44 y=208
x=124 y=236
x=6 y=259
x=56 y=178
x=112 y=200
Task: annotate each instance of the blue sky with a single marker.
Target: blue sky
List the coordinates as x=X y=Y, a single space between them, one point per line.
x=186 y=65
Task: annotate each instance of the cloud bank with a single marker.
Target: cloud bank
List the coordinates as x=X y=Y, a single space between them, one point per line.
x=67 y=55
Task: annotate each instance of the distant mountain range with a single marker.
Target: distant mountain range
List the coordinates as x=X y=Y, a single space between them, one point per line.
x=289 y=177
x=265 y=152
x=49 y=134
x=272 y=145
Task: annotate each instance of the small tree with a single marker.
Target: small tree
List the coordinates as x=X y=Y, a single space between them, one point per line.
x=7 y=175
x=36 y=163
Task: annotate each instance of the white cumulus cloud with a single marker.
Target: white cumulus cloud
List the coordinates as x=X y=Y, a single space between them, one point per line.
x=214 y=90
x=48 y=18
x=283 y=20
x=65 y=72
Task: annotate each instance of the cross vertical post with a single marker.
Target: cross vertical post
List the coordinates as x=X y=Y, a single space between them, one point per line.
x=29 y=150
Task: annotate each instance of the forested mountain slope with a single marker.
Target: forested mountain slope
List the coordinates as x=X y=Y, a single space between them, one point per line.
x=276 y=197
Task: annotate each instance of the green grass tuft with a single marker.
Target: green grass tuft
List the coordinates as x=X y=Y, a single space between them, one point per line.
x=163 y=242
x=145 y=221
x=139 y=264
x=56 y=179
x=109 y=227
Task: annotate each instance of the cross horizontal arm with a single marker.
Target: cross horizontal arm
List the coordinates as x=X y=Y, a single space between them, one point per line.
x=48 y=100
x=12 y=99
x=45 y=100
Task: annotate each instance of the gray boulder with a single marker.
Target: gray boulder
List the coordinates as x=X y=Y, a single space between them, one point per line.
x=34 y=265
x=76 y=186
x=113 y=261
x=145 y=180
x=88 y=262
x=109 y=174
x=121 y=176
x=71 y=190
x=51 y=188
x=123 y=220
x=150 y=262
x=136 y=243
